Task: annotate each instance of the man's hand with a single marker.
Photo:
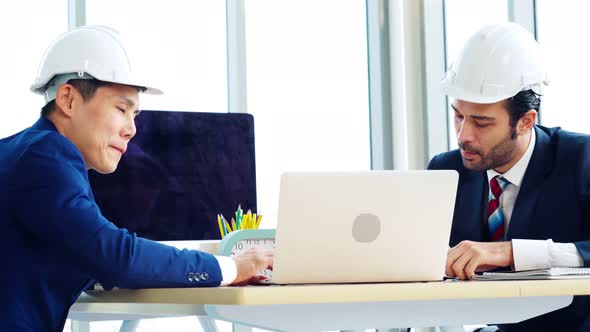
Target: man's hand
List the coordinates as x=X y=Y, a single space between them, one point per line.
x=250 y=263
x=467 y=257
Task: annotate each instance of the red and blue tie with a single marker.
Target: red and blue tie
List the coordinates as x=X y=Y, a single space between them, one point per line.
x=496 y=219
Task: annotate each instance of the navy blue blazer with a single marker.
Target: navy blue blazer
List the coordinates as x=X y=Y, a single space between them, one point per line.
x=56 y=243
x=553 y=203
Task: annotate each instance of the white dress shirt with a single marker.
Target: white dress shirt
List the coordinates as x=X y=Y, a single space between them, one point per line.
x=532 y=254
x=229 y=270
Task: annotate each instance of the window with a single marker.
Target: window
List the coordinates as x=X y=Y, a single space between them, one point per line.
x=35 y=30
x=563 y=39
x=462 y=19
x=180 y=48
x=307 y=90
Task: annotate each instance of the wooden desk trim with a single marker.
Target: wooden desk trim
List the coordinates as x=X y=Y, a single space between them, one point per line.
x=342 y=293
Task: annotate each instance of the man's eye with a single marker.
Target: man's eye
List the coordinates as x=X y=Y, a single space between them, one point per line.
x=120 y=109
x=481 y=125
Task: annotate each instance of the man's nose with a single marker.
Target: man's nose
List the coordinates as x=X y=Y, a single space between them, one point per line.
x=465 y=133
x=130 y=129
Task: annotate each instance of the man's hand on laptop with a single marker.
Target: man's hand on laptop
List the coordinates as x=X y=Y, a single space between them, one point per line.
x=250 y=263
x=469 y=257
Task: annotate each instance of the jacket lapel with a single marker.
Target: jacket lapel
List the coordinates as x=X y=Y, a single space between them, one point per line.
x=469 y=208
x=541 y=162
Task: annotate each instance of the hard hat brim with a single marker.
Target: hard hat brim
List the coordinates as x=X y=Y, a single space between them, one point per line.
x=39 y=88
x=461 y=94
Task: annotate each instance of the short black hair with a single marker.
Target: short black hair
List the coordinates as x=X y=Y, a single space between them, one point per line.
x=86 y=88
x=521 y=103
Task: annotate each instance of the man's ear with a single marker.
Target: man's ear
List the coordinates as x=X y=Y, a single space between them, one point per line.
x=65 y=98
x=527 y=121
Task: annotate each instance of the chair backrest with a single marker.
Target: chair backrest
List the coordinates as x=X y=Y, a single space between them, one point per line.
x=179 y=171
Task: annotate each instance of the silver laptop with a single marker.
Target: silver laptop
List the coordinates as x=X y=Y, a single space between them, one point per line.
x=373 y=226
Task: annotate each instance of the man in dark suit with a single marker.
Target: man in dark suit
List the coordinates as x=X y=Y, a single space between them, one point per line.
x=54 y=239
x=523 y=199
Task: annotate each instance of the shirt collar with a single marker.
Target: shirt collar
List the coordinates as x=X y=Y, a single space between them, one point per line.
x=516 y=173
x=44 y=124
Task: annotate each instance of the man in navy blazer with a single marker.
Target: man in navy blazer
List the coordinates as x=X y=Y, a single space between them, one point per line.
x=523 y=199
x=55 y=241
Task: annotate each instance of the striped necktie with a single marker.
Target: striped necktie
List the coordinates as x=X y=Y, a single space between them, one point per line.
x=496 y=220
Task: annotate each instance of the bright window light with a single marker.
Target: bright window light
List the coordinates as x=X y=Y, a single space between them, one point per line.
x=307 y=90
x=26 y=35
x=180 y=48
x=563 y=37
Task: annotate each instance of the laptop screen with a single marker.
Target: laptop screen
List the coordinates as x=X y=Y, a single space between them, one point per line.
x=180 y=170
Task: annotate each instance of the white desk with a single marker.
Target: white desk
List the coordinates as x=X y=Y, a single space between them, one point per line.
x=339 y=307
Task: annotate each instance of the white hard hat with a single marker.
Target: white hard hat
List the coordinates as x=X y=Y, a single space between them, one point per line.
x=84 y=53
x=496 y=63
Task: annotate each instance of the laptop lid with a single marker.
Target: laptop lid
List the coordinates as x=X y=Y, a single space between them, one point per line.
x=373 y=226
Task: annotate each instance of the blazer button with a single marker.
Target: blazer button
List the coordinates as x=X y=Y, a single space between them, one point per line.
x=204 y=276
x=197 y=276
x=191 y=277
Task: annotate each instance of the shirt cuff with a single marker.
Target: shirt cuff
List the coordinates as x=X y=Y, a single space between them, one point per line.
x=530 y=254
x=539 y=254
x=565 y=255
x=229 y=270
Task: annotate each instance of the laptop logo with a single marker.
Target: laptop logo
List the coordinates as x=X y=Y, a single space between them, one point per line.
x=366 y=227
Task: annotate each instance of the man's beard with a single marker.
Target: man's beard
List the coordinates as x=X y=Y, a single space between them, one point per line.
x=499 y=155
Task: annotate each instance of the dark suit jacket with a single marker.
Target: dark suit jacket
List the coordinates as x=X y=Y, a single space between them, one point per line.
x=553 y=203
x=56 y=243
